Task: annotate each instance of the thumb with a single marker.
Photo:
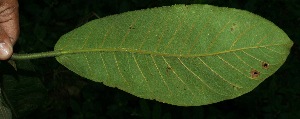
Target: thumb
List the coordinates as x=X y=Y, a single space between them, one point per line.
x=6 y=49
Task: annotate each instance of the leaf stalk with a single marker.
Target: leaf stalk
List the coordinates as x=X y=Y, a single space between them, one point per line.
x=17 y=56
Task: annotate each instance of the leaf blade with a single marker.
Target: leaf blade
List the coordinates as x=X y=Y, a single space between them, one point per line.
x=169 y=55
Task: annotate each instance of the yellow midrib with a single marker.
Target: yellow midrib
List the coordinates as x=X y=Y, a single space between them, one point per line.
x=78 y=51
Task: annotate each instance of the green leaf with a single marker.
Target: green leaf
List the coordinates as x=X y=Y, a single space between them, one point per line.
x=185 y=55
x=5 y=112
x=22 y=89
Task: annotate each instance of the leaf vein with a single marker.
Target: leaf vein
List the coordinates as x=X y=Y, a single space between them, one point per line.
x=188 y=69
x=76 y=51
x=87 y=38
x=241 y=34
x=119 y=70
x=161 y=35
x=226 y=62
x=198 y=35
x=274 y=51
x=144 y=77
x=218 y=74
x=163 y=79
x=265 y=54
x=187 y=37
x=216 y=37
x=262 y=39
x=128 y=31
x=104 y=66
x=147 y=33
x=173 y=36
x=88 y=65
x=246 y=64
x=107 y=33
x=194 y=96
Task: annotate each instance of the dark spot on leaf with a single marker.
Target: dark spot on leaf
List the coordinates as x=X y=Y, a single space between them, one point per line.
x=233 y=27
x=254 y=73
x=265 y=65
x=130 y=27
x=236 y=88
x=168 y=69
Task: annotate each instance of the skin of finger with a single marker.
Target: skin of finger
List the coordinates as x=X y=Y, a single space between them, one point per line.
x=5 y=43
x=9 y=20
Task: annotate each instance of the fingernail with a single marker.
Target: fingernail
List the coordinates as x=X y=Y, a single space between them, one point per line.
x=5 y=50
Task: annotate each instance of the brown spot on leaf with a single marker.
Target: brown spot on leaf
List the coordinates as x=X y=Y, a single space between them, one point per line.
x=254 y=73
x=236 y=88
x=168 y=69
x=265 y=65
x=130 y=27
x=232 y=28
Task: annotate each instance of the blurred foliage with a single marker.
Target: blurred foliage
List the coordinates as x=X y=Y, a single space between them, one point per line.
x=22 y=89
x=68 y=96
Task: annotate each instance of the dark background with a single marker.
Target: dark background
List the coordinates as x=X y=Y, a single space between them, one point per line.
x=57 y=93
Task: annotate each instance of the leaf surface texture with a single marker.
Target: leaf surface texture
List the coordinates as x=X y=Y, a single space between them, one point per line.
x=185 y=55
